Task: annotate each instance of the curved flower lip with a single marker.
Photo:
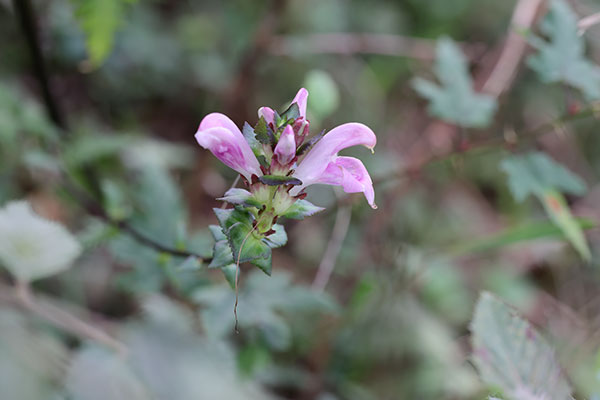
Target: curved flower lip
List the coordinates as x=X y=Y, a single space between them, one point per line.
x=301 y=99
x=223 y=138
x=323 y=165
x=286 y=147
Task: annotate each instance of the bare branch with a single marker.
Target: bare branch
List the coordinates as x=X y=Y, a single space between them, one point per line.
x=506 y=67
x=63 y=319
x=586 y=23
x=340 y=229
x=357 y=43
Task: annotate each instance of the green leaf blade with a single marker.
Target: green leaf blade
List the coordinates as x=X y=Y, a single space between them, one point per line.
x=510 y=353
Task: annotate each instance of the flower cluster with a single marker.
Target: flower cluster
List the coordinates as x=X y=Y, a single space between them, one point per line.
x=277 y=161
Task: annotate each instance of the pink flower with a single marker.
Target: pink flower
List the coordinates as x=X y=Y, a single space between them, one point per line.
x=286 y=147
x=323 y=165
x=223 y=138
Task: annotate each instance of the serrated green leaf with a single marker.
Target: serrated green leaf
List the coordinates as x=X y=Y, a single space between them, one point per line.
x=263 y=133
x=301 y=209
x=455 y=100
x=245 y=245
x=511 y=354
x=276 y=180
x=250 y=136
x=535 y=172
x=222 y=255
x=217 y=232
x=230 y=216
x=518 y=234
x=240 y=196
x=558 y=210
x=277 y=239
x=562 y=57
x=100 y=20
x=265 y=264
x=229 y=272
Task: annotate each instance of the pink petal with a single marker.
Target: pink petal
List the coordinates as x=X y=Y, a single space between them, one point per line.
x=268 y=114
x=301 y=99
x=349 y=173
x=223 y=138
x=355 y=178
x=325 y=151
x=218 y=119
x=286 y=147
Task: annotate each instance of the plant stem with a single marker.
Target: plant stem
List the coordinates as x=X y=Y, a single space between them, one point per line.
x=26 y=16
x=64 y=320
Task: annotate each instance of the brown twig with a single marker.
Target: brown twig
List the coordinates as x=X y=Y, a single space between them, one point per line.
x=94 y=208
x=505 y=69
x=490 y=143
x=362 y=43
x=586 y=23
x=26 y=17
x=334 y=246
x=63 y=319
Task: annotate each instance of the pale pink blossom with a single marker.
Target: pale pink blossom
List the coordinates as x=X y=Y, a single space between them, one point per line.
x=223 y=138
x=301 y=99
x=268 y=114
x=323 y=165
x=286 y=147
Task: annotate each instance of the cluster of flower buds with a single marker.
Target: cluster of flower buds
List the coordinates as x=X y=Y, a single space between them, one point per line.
x=267 y=157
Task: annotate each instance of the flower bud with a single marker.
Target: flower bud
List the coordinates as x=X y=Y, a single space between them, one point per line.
x=301 y=126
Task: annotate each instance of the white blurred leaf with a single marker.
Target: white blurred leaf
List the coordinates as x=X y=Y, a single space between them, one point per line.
x=32 y=247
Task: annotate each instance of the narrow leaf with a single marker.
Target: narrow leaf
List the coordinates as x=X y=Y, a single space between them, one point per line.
x=275 y=180
x=559 y=212
x=518 y=234
x=222 y=255
x=263 y=132
x=301 y=209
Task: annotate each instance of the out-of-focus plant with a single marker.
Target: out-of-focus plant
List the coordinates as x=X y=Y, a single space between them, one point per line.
x=537 y=174
x=100 y=20
x=512 y=355
x=455 y=100
x=562 y=57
